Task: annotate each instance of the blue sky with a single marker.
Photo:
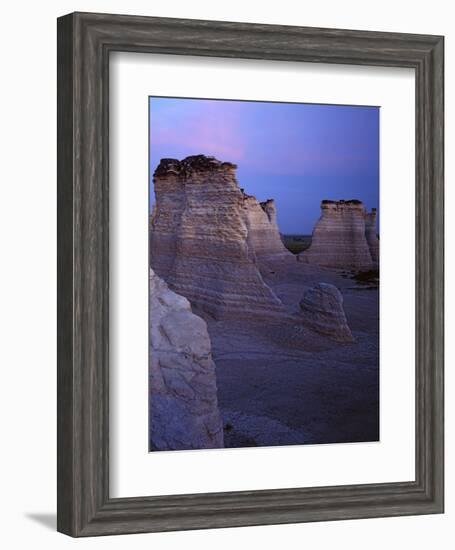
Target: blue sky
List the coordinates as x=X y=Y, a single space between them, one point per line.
x=295 y=153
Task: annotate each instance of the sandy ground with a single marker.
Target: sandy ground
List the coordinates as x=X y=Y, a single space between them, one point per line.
x=283 y=384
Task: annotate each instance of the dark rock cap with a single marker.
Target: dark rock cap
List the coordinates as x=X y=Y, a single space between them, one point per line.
x=341 y=202
x=193 y=163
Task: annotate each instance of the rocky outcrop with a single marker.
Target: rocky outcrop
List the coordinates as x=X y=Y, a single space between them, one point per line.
x=322 y=310
x=343 y=237
x=207 y=238
x=372 y=237
x=264 y=238
x=183 y=394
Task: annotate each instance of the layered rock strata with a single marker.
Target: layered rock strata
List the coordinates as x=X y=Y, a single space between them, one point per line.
x=344 y=237
x=372 y=236
x=322 y=310
x=264 y=237
x=204 y=235
x=184 y=410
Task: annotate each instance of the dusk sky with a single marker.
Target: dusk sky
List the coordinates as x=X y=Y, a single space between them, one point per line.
x=297 y=154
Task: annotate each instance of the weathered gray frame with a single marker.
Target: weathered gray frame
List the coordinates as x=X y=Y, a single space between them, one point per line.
x=84 y=43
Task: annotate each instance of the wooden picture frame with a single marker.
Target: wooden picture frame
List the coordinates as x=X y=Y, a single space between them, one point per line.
x=85 y=41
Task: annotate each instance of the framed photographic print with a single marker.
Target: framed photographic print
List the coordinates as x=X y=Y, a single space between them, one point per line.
x=250 y=284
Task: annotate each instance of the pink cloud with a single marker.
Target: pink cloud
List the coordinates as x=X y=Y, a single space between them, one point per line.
x=204 y=129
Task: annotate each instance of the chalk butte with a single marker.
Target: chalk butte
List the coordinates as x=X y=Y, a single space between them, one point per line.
x=204 y=235
x=372 y=236
x=184 y=410
x=322 y=310
x=344 y=237
x=264 y=237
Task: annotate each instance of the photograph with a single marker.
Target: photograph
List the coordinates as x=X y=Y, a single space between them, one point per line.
x=264 y=273
x=234 y=275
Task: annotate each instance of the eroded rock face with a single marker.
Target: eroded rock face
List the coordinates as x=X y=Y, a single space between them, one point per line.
x=204 y=234
x=372 y=237
x=264 y=237
x=322 y=310
x=343 y=237
x=184 y=410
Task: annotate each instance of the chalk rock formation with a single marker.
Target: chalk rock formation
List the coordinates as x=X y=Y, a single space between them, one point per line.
x=322 y=310
x=264 y=237
x=203 y=234
x=340 y=237
x=372 y=237
x=183 y=394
